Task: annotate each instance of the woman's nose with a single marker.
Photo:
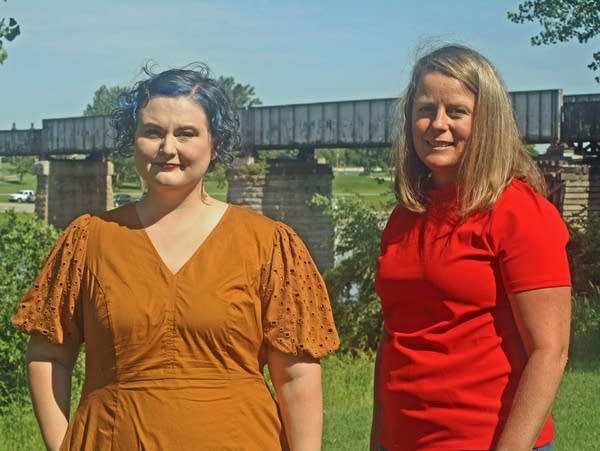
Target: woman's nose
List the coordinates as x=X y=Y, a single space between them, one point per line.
x=168 y=145
x=440 y=121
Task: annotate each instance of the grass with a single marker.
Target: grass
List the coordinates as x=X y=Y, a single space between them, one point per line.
x=577 y=410
x=347 y=385
x=373 y=189
x=347 y=393
x=377 y=193
x=10 y=184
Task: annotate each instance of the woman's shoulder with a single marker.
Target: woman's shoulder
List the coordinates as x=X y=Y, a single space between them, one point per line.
x=518 y=187
x=255 y=227
x=520 y=195
x=244 y=218
x=521 y=207
x=123 y=215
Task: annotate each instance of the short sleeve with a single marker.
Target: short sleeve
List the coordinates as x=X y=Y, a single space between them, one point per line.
x=530 y=241
x=297 y=314
x=50 y=305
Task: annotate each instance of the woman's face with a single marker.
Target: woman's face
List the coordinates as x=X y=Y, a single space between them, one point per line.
x=173 y=144
x=441 y=122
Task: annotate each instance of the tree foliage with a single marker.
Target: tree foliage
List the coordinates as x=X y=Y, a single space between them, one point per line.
x=24 y=244
x=9 y=30
x=562 y=21
x=351 y=282
x=20 y=166
x=242 y=96
x=584 y=260
x=23 y=166
x=104 y=102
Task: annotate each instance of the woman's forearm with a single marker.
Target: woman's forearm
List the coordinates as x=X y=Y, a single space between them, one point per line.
x=543 y=318
x=50 y=386
x=533 y=400
x=50 y=367
x=297 y=381
x=301 y=405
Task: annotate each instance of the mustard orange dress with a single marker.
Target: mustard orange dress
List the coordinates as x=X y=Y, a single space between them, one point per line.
x=174 y=361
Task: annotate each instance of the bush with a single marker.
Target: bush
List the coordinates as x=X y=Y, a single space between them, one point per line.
x=585 y=329
x=584 y=252
x=24 y=244
x=584 y=259
x=351 y=282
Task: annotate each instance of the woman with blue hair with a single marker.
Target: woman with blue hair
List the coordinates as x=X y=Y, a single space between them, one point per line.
x=180 y=299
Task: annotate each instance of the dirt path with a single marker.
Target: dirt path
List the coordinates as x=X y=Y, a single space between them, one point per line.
x=16 y=206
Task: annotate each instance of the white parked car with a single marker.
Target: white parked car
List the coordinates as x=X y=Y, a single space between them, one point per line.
x=24 y=195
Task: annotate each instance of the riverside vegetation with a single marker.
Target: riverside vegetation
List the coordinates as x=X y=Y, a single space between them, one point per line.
x=359 y=215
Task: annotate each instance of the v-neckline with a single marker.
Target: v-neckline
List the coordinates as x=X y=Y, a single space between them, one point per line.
x=187 y=262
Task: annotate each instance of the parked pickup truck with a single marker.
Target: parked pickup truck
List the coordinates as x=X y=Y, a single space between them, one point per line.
x=24 y=195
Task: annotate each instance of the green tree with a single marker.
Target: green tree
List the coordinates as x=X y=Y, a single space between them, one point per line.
x=584 y=260
x=242 y=96
x=351 y=282
x=562 y=21
x=8 y=32
x=531 y=150
x=104 y=101
x=24 y=244
x=22 y=166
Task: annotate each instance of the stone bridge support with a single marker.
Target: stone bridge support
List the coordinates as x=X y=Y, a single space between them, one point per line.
x=282 y=190
x=574 y=187
x=69 y=188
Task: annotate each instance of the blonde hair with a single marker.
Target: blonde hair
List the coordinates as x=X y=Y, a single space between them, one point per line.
x=495 y=152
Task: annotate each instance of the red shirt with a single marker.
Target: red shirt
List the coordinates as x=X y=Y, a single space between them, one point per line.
x=451 y=356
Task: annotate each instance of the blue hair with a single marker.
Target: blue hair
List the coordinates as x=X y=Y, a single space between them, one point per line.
x=194 y=82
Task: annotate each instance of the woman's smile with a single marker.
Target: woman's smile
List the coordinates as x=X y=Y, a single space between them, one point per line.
x=168 y=166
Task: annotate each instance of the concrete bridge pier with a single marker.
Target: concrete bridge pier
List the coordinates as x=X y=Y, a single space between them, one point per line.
x=69 y=188
x=282 y=189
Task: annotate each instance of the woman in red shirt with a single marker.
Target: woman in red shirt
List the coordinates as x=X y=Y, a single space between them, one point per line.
x=473 y=274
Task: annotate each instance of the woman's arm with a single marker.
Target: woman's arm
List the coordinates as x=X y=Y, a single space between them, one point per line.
x=543 y=318
x=49 y=367
x=297 y=380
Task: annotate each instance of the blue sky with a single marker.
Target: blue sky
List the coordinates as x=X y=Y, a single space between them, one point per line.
x=291 y=51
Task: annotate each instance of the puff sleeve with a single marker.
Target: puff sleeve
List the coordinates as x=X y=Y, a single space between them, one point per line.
x=297 y=315
x=50 y=305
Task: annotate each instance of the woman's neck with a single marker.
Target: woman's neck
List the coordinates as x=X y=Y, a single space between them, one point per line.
x=176 y=204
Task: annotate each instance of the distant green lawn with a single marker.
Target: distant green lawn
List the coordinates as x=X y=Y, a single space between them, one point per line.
x=374 y=190
x=9 y=185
